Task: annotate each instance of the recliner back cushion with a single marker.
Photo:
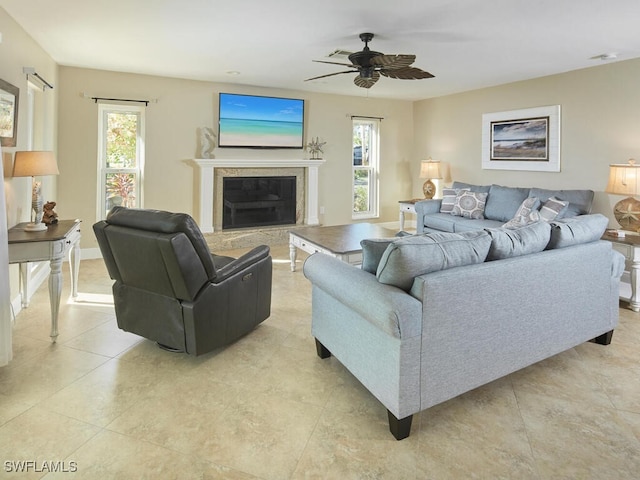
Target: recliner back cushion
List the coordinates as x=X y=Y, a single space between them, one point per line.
x=165 y=222
x=408 y=257
x=163 y=263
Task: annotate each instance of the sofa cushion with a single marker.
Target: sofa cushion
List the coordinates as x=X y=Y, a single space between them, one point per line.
x=580 y=201
x=407 y=257
x=507 y=243
x=572 y=231
x=553 y=208
x=449 y=199
x=526 y=213
x=503 y=202
x=471 y=187
x=469 y=204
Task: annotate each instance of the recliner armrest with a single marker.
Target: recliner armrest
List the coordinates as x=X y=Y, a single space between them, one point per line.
x=241 y=263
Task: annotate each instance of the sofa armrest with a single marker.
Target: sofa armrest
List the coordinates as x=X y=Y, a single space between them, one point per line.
x=389 y=308
x=425 y=207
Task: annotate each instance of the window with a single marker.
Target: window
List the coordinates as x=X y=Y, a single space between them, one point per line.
x=120 y=157
x=366 y=156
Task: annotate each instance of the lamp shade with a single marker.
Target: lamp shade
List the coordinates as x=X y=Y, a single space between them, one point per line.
x=624 y=179
x=34 y=163
x=430 y=169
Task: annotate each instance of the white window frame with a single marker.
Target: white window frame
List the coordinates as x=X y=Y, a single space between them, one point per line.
x=103 y=110
x=373 y=168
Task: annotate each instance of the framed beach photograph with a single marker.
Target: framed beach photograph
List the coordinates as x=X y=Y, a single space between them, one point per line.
x=527 y=139
x=9 y=96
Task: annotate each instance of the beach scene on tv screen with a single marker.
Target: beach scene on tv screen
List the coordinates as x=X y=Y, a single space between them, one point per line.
x=250 y=121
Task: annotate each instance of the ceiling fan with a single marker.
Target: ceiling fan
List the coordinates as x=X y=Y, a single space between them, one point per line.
x=370 y=65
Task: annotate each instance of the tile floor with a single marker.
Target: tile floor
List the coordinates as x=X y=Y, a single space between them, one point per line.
x=114 y=406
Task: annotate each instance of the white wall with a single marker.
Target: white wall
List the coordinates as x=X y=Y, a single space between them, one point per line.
x=600 y=112
x=172 y=124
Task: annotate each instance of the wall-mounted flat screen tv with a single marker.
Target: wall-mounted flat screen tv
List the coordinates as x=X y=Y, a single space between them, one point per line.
x=251 y=121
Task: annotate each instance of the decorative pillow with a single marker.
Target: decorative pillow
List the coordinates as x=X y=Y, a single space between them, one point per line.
x=469 y=205
x=409 y=257
x=523 y=214
x=572 y=231
x=552 y=208
x=526 y=239
x=449 y=198
x=372 y=251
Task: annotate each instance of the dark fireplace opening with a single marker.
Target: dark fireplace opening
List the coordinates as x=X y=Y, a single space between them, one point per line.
x=258 y=201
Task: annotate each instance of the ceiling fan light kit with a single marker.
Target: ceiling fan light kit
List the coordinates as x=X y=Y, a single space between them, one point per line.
x=369 y=65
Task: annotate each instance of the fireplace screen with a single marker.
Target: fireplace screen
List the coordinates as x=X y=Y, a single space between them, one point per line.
x=258 y=201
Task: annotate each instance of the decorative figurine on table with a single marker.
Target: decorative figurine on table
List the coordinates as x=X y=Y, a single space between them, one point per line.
x=49 y=217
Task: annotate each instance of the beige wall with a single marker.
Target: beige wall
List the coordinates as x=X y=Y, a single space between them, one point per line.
x=18 y=50
x=171 y=140
x=600 y=124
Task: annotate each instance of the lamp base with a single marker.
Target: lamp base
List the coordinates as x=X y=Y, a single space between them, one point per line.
x=429 y=189
x=627 y=213
x=35 y=227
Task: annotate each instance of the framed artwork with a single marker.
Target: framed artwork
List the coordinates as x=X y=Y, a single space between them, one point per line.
x=9 y=96
x=527 y=139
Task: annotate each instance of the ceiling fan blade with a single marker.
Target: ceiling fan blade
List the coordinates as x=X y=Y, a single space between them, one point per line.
x=393 y=61
x=336 y=63
x=328 y=75
x=407 y=73
x=366 y=82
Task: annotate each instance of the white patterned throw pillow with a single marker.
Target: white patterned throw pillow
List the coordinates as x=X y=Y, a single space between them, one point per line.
x=552 y=209
x=449 y=198
x=524 y=214
x=469 y=204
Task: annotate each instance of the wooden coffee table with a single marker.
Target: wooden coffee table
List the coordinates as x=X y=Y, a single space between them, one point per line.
x=340 y=241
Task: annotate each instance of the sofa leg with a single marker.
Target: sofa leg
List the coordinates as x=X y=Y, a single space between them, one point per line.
x=604 y=339
x=399 y=428
x=323 y=352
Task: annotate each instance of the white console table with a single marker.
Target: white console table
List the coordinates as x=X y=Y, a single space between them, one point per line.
x=407 y=206
x=52 y=244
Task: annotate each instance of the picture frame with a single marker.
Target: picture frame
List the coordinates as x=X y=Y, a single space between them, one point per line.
x=525 y=139
x=9 y=97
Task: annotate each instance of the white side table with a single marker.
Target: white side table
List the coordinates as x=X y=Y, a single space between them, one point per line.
x=629 y=246
x=407 y=206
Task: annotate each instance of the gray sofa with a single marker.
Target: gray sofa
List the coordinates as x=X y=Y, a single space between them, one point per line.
x=501 y=205
x=431 y=316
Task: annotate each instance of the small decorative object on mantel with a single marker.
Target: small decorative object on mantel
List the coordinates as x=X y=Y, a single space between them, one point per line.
x=49 y=217
x=315 y=148
x=206 y=142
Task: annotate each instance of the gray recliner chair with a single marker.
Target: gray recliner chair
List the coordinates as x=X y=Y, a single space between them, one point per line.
x=170 y=289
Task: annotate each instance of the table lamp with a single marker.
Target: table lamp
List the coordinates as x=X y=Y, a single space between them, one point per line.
x=32 y=164
x=624 y=179
x=429 y=169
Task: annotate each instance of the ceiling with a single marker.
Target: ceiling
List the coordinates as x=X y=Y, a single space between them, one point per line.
x=466 y=44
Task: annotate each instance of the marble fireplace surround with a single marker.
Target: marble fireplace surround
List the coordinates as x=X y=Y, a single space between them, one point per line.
x=210 y=172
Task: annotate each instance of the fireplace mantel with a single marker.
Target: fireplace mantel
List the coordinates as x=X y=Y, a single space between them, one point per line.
x=206 y=169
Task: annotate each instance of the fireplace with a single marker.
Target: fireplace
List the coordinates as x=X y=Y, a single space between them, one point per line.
x=258 y=201
x=210 y=173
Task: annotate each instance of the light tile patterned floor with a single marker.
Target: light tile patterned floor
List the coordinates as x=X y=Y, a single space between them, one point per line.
x=267 y=407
